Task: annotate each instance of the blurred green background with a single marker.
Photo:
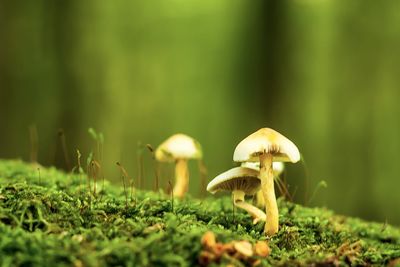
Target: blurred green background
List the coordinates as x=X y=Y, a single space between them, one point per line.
x=324 y=73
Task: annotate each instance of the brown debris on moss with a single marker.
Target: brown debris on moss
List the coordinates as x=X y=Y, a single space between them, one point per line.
x=234 y=253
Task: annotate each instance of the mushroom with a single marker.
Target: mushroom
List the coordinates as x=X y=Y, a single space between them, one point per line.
x=179 y=148
x=267 y=145
x=277 y=167
x=240 y=181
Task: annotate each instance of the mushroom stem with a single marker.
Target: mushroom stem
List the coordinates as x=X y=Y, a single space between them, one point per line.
x=181 y=178
x=267 y=187
x=260 y=202
x=238 y=200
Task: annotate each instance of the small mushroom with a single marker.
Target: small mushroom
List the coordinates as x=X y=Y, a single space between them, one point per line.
x=240 y=181
x=179 y=148
x=277 y=167
x=267 y=145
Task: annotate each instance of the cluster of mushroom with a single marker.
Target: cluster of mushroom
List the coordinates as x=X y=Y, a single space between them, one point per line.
x=260 y=154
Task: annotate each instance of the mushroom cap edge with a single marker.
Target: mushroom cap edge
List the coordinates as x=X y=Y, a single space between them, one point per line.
x=233 y=175
x=266 y=140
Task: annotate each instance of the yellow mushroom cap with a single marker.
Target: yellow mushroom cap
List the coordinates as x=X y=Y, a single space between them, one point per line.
x=278 y=167
x=238 y=178
x=178 y=146
x=266 y=140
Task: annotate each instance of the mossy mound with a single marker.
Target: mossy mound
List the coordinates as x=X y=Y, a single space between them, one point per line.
x=56 y=222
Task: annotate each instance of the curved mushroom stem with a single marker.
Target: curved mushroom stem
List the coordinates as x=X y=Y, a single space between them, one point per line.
x=260 y=202
x=238 y=200
x=181 y=178
x=267 y=187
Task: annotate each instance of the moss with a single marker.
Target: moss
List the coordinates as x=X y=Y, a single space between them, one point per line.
x=55 y=221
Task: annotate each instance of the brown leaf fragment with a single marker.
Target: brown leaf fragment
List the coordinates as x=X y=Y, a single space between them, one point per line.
x=262 y=249
x=206 y=258
x=208 y=240
x=244 y=248
x=228 y=248
x=218 y=249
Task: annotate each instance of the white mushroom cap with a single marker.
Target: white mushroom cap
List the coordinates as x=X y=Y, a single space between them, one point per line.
x=266 y=140
x=277 y=166
x=178 y=146
x=239 y=178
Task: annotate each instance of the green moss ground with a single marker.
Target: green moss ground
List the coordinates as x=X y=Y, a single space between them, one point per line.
x=57 y=223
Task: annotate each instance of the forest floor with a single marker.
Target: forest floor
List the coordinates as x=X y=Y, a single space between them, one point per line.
x=52 y=220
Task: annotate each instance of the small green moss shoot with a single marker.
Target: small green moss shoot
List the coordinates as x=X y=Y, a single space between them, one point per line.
x=52 y=223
